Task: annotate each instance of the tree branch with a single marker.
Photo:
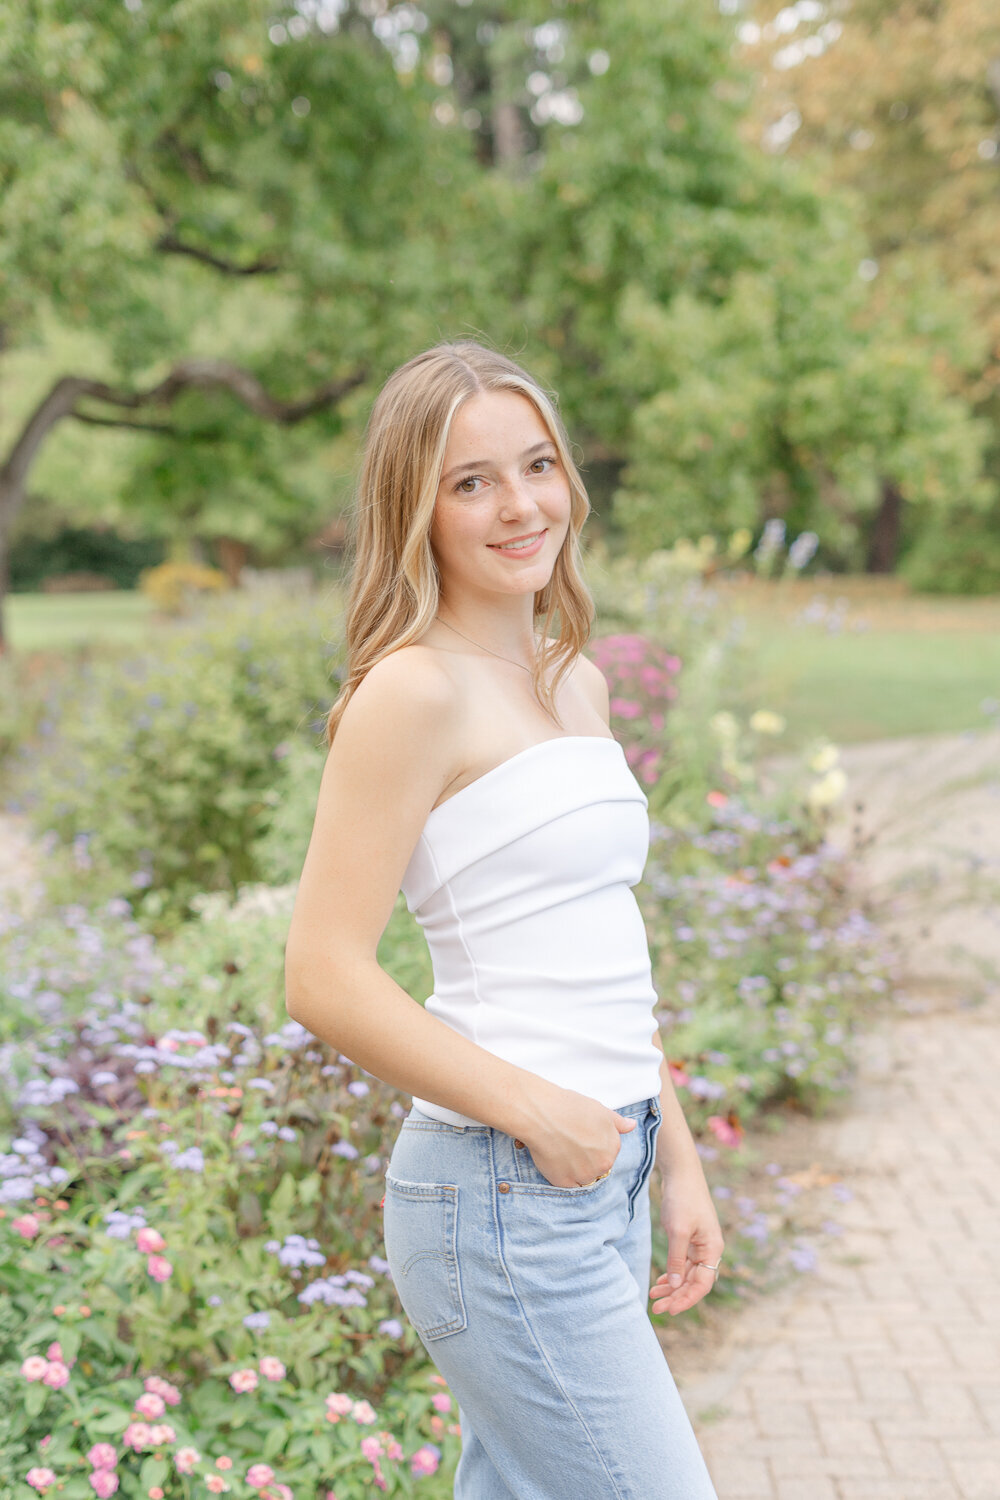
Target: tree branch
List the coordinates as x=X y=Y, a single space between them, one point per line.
x=164 y=428
x=171 y=245
x=203 y=374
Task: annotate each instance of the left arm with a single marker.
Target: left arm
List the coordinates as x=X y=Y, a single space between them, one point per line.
x=687 y=1212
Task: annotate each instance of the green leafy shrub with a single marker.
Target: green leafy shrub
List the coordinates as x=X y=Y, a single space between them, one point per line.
x=955 y=552
x=159 y=776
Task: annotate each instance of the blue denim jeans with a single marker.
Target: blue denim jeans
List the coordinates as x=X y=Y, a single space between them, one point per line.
x=532 y=1301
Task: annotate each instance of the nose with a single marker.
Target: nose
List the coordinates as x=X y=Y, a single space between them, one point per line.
x=518 y=500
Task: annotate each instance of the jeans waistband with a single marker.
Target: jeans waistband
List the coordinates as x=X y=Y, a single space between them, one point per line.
x=637 y=1110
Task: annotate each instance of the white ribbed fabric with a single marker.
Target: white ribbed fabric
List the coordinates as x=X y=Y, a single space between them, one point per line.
x=522 y=883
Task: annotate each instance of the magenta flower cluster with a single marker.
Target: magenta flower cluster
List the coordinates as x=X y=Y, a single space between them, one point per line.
x=641 y=677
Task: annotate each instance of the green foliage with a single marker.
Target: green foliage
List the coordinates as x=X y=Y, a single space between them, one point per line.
x=302 y=196
x=956 y=552
x=76 y=549
x=162 y=773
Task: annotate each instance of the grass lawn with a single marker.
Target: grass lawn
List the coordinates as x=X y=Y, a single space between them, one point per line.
x=53 y=622
x=852 y=658
x=860 y=659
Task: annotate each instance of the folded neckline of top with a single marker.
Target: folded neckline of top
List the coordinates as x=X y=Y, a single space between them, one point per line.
x=554 y=739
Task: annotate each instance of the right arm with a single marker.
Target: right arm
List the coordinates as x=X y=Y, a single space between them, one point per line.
x=391 y=758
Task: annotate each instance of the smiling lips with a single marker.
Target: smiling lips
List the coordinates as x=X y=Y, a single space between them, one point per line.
x=521 y=547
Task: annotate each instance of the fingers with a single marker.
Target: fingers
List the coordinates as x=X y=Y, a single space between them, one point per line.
x=624 y=1124
x=698 y=1281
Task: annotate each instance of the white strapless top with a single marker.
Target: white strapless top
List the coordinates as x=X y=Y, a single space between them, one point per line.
x=522 y=883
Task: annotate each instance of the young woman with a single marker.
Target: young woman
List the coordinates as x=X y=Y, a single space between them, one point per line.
x=471 y=765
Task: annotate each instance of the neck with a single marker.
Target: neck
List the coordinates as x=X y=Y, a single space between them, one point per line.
x=511 y=632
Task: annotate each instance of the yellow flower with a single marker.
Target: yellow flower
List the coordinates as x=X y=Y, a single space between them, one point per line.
x=739 y=541
x=824 y=758
x=706 y=544
x=766 y=722
x=724 y=725
x=828 y=790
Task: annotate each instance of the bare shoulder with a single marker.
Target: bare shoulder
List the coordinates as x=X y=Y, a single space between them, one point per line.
x=409 y=685
x=587 y=675
x=400 y=729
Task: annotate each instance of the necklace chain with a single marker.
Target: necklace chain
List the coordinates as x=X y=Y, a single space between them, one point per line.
x=484 y=648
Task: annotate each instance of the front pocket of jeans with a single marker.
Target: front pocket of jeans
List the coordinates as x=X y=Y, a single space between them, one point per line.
x=421 y=1243
x=529 y=1177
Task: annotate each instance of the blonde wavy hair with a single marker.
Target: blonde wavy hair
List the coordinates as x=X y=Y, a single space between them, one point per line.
x=394 y=584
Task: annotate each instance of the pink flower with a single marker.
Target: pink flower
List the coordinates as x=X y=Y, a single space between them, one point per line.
x=102 y=1456
x=155 y=1493
x=441 y=1402
x=424 y=1461
x=215 y=1483
x=34 y=1367
x=656 y=721
x=729 y=1135
x=162 y=1433
x=56 y=1374
x=186 y=1458
x=136 y=1435
x=40 y=1478
x=104 y=1483
x=258 y=1475
x=362 y=1412
x=672 y=663
x=159 y=1268
x=716 y=799
x=678 y=1075
x=371 y=1447
x=161 y=1387
x=244 y=1380
x=392 y=1448
x=54 y=1351
x=271 y=1368
x=337 y=1406
x=148 y=1240
x=626 y=708
x=223 y=1461
x=27 y=1225
x=150 y=1405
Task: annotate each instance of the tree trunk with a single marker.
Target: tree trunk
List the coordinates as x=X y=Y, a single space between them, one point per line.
x=883 y=542
x=508 y=136
x=4 y=579
x=232 y=557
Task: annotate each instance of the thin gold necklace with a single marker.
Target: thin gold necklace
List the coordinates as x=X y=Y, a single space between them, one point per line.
x=484 y=648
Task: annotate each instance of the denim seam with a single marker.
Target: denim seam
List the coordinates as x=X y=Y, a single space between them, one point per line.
x=534 y=1336
x=647 y=1163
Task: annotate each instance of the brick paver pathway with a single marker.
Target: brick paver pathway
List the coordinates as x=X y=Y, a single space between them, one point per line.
x=877 y=1376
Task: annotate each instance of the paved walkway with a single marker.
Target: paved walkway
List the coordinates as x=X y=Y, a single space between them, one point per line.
x=877 y=1376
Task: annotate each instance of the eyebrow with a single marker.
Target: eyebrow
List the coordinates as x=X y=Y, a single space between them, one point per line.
x=484 y=463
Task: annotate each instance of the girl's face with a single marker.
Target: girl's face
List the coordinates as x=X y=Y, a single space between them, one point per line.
x=501 y=481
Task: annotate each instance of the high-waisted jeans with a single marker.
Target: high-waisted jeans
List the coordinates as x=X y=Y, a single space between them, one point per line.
x=532 y=1302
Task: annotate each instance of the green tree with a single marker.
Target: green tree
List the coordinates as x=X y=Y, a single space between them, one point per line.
x=237 y=200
